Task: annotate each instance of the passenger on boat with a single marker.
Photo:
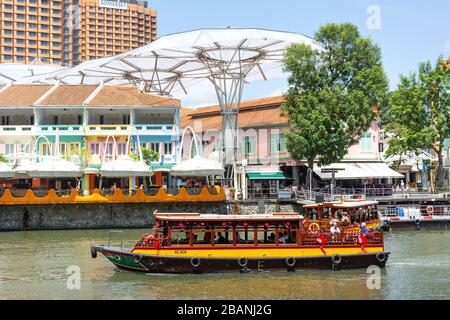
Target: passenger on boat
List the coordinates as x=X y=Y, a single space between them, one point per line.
x=220 y=238
x=207 y=238
x=271 y=238
x=363 y=228
x=335 y=229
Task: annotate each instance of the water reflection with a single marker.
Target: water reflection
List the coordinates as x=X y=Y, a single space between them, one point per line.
x=33 y=265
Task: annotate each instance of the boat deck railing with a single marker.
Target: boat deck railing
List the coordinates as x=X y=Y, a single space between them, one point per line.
x=344 y=238
x=306 y=238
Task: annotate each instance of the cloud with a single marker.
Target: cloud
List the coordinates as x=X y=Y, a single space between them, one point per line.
x=198 y=95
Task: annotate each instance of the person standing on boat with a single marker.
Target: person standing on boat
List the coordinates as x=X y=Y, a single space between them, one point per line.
x=363 y=228
x=335 y=229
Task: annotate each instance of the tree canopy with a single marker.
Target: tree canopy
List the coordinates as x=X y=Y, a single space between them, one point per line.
x=334 y=94
x=419 y=113
x=148 y=156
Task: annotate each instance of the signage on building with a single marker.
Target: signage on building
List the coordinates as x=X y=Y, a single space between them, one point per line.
x=113 y=4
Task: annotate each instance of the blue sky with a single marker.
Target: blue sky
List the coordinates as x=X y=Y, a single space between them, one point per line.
x=410 y=31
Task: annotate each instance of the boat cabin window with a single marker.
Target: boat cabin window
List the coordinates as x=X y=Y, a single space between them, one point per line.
x=245 y=234
x=179 y=235
x=231 y=234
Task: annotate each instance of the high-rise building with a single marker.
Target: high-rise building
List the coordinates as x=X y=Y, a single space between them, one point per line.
x=68 y=32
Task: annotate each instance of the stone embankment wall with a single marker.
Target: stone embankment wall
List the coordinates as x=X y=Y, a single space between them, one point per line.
x=94 y=216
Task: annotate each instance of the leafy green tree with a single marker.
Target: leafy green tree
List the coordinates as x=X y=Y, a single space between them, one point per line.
x=2 y=158
x=419 y=113
x=334 y=94
x=148 y=155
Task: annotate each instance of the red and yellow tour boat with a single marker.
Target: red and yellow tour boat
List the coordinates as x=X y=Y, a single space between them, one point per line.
x=207 y=243
x=348 y=215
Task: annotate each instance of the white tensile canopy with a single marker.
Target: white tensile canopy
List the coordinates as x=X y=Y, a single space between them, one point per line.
x=125 y=167
x=176 y=61
x=17 y=72
x=6 y=171
x=197 y=167
x=51 y=168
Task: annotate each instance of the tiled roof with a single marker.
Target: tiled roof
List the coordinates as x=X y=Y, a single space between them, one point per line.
x=130 y=96
x=68 y=95
x=74 y=95
x=22 y=95
x=253 y=113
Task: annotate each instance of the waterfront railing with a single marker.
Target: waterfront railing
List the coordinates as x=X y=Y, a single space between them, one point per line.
x=29 y=196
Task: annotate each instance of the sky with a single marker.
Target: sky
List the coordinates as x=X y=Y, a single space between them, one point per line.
x=407 y=32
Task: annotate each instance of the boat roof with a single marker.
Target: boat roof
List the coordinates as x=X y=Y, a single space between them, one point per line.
x=221 y=217
x=343 y=204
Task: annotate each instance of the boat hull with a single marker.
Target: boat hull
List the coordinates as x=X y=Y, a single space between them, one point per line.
x=127 y=260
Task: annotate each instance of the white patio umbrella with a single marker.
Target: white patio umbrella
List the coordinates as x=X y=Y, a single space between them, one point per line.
x=53 y=168
x=125 y=167
x=197 y=167
x=6 y=171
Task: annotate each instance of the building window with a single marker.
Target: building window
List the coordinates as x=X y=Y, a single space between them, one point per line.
x=5 y=121
x=95 y=149
x=168 y=148
x=366 y=142
x=10 y=148
x=277 y=143
x=121 y=149
x=44 y=149
x=74 y=148
x=154 y=146
x=249 y=145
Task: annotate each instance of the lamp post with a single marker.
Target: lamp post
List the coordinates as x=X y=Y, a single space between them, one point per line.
x=333 y=172
x=309 y=174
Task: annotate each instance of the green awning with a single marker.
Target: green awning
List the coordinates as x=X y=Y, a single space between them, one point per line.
x=266 y=176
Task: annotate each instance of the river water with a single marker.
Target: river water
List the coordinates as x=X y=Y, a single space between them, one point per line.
x=34 y=265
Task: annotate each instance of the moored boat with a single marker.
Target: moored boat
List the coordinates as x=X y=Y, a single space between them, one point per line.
x=208 y=243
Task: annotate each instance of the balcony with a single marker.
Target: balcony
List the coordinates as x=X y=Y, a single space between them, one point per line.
x=124 y=130
x=105 y=130
x=16 y=130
